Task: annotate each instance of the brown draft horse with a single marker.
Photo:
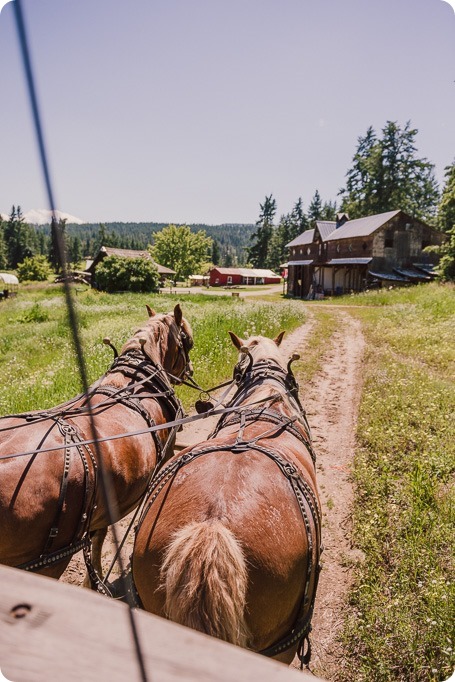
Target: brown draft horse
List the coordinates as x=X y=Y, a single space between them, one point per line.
x=50 y=499
x=230 y=538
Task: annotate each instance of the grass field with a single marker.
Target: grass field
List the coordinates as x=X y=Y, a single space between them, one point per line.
x=399 y=621
x=400 y=625
x=38 y=367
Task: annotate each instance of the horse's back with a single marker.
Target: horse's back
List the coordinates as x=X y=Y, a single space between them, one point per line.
x=249 y=495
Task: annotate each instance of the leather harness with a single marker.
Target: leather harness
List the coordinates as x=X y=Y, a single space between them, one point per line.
x=305 y=496
x=133 y=364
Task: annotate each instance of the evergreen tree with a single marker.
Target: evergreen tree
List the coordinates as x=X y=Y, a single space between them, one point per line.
x=258 y=252
x=315 y=208
x=229 y=258
x=446 y=208
x=58 y=245
x=329 y=210
x=101 y=239
x=282 y=235
x=75 y=250
x=18 y=237
x=216 y=253
x=3 y=252
x=387 y=175
x=299 y=221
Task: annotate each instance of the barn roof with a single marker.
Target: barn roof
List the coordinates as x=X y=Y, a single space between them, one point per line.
x=362 y=227
x=325 y=227
x=246 y=272
x=304 y=238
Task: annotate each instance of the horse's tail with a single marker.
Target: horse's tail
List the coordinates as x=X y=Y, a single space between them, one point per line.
x=204 y=576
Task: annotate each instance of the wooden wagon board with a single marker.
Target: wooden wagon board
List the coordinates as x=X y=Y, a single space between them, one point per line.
x=64 y=632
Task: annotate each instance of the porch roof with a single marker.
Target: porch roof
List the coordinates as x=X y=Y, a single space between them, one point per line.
x=388 y=276
x=348 y=261
x=299 y=262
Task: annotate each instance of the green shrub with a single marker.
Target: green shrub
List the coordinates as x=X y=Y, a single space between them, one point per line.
x=116 y=273
x=35 y=269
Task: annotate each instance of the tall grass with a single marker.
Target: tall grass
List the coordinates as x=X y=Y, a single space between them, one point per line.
x=38 y=367
x=400 y=625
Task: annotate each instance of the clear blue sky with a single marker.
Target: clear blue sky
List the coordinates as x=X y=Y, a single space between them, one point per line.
x=194 y=110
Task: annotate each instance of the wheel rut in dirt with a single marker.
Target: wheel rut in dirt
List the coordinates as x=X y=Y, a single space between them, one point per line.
x=331 y=401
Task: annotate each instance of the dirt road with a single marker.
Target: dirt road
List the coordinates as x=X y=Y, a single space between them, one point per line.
x=331 y=402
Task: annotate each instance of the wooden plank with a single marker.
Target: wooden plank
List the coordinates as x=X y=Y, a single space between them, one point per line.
x=50 y=631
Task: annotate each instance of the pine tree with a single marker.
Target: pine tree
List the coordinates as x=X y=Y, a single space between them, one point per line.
x=258 y=252
x=299 y=221
x=386 y=175
x=315 y=208
x=3 y=252
x=446 y=208
x=216 y=254
x=58 y=245
x=75 y=250
x=282 y=235
x=18 y=237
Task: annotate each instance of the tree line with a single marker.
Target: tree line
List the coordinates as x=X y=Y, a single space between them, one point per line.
x=19 y=240
x=386 y=174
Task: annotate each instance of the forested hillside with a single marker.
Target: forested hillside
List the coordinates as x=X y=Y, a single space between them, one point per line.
x=232 y=239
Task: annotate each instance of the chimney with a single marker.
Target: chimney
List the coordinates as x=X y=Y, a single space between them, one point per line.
x=342 y=218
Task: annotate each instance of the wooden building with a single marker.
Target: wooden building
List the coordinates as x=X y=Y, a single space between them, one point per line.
x=219 y=277
x=164 y=273
x=349 y=255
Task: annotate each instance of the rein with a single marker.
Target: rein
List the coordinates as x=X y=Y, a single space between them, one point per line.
x=247 y=379
x=131 y=364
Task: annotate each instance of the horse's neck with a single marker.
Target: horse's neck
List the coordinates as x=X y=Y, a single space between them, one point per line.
x=155 y=352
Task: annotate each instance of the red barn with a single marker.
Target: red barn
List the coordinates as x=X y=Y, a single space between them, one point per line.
x=234 y=276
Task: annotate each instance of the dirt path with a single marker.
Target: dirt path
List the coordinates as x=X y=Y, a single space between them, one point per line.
x=331 y=402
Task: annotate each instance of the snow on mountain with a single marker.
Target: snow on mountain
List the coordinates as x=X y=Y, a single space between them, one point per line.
x=42 y=216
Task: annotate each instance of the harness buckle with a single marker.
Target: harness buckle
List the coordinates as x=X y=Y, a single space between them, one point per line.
x=239 y=447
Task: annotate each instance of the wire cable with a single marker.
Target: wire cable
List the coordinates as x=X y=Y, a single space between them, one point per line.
x=106 y=486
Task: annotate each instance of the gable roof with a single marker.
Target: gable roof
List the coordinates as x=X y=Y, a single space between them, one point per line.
x=304 y=238
x=325 y=228
x=362 y=227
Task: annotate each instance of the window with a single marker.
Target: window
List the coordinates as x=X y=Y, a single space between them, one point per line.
x=308 y=250
x=388 y=239
x=229 y=279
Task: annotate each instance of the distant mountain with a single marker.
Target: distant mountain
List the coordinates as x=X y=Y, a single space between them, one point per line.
x=42 y=216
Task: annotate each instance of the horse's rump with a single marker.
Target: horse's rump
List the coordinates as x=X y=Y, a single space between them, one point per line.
x=42 y=496
x=200 y=562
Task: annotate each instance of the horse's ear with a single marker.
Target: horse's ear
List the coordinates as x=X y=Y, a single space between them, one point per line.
x=236 y=340
x=279 y=338
x=150 y=311
x=178 y=315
